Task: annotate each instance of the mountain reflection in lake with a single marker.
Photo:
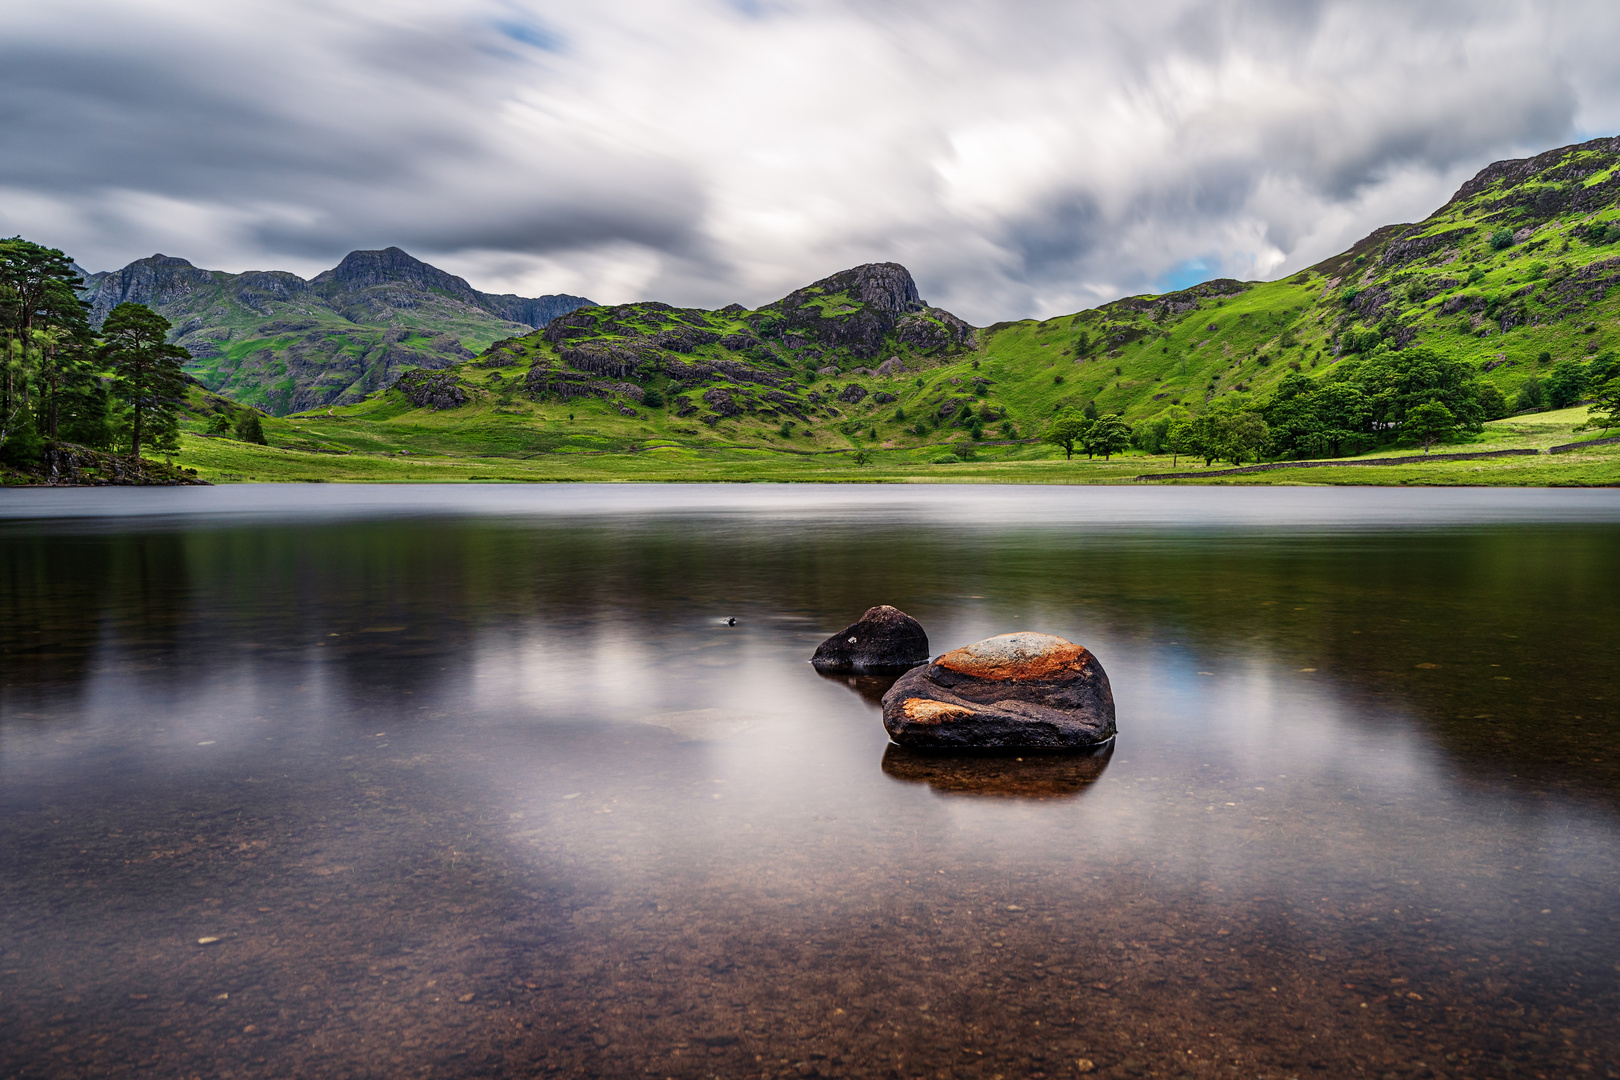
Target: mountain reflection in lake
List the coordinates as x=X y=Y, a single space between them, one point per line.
x=385 y=782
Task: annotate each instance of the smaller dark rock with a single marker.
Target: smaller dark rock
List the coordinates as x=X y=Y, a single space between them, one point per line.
x=852 y=394
x=883 y=638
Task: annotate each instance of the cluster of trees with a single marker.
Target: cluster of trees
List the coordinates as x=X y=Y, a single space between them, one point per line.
x=63 y=382
x=1415 y=394
x=1379 y=399
x=1230 y=430
x=1568 y=382
x=1083 y=428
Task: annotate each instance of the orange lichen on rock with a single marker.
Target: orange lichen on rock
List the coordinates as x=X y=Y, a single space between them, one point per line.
x=923 y=711
x=1023 y=655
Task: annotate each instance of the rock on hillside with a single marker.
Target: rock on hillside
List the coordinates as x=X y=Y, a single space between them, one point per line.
x=272 y=339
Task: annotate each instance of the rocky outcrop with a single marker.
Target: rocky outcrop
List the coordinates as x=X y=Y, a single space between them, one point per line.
x=68 y=465
x=853 y=394
x=855 y=309
x=885 y=638
x=1015 y=690
x=431 y=389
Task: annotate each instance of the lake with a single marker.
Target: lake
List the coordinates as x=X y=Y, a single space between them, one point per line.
x=410 y=781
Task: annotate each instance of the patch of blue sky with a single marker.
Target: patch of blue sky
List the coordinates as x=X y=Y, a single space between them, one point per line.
x=527 y=31
x=1186 y=274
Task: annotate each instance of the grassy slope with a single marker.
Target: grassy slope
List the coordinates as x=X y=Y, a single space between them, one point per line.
x=1137 y=356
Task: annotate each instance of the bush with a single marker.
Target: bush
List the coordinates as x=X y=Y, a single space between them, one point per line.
x=1501 y=238
x=1543 y=357
x=1475 y=274
x=23 y=449
x=653 y=399
x=1057 y=380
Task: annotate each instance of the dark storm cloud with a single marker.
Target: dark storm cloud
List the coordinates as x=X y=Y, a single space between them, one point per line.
x=1023 y=158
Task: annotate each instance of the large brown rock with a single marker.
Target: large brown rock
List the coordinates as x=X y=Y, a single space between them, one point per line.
x=884 y=639
x=1015 y=690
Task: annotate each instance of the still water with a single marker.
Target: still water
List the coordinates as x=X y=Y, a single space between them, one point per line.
x=389 y=782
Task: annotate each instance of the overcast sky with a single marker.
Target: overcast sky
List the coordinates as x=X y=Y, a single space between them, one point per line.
x=1021 y=157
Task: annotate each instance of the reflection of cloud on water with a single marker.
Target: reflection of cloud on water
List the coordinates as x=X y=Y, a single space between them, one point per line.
x=1024 y=774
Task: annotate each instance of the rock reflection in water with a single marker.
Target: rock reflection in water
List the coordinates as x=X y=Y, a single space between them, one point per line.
x=1024 y=775
x=871 y=688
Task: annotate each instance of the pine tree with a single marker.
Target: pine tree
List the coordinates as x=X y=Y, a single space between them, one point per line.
x=147 y=375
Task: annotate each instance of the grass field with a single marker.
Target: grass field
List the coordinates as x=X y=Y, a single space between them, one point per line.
x=361 y=450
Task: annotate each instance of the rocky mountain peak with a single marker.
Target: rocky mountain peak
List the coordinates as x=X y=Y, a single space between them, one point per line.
x=391 y=266
x=886 y=287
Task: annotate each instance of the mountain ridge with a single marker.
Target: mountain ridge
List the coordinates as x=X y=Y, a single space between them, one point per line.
x=273 y=339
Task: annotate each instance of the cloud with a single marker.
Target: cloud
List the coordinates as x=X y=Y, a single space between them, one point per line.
x=1023 y=158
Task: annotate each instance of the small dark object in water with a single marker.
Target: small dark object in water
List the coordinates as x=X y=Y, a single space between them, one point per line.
x=731 y=621
x=1014 y=690
x=885 y=638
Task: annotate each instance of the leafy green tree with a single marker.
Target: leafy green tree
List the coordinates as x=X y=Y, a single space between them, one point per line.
x=1243 y=433
x=249 y=428
x=1069 y=428
x=1565 y=383
x=1530 y=396
x=1182 y=438
x=1502 y=238
x=1604 y=410
x=1109 y=435
x=1429 y=421
x=147 y=376
x=653 y=399
x=1492 y=402
x=221 y=423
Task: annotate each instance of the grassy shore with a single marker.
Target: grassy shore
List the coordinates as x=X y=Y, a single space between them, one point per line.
x=355 y=451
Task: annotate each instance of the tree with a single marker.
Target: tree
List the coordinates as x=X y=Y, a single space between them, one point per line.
x=1428 y=422
x=1069 y=428
x=1530 y=396
x=1605 y=407
x=1109 y=435
x=1565 y=383
x=36 y=294
x=1243 y=433
x=1182 y=438
x=249 y=428
x=1492 y=403
x=146 y=369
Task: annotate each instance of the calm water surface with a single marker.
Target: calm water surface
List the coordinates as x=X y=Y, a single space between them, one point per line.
x=476 y=782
